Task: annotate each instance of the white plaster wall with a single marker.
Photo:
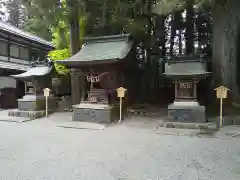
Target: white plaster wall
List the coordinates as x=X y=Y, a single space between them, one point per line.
x=7 y=82
x=3 y=58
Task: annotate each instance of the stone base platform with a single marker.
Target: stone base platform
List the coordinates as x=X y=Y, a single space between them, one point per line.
x=99 y=113
x=29 y=114
x=187 y=113
x=35 y=103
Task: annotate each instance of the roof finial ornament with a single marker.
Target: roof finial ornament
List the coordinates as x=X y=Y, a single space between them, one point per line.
x=38 y=60
x=47 y=62
x=33 y=64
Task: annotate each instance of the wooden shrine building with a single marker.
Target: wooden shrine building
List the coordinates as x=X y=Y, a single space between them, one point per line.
x=99 y=65
x=17 y=50
x=186 y=73
x=33 y=104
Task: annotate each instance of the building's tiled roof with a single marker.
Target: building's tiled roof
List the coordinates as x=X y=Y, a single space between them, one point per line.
x=185 y=68
x=11 y=29
x=101 y=49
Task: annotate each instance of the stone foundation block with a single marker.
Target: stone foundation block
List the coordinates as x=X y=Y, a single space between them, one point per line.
x=36 y=105
x=184 y=113
x=93 y=115
x=28 y=114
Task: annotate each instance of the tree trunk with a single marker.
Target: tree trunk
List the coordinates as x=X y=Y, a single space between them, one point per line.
x=74 y=46
x=150 y=25
x=225 y=39
x=173 y=34
x=159 y=36
x=180 y=42
x=190 y=30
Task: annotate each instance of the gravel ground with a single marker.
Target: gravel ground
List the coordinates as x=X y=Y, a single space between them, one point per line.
x=39 y=150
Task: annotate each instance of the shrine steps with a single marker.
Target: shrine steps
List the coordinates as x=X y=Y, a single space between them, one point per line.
x=97 y=102
x=97 y=96
x=4 y=117
x=187 y=125
x=28 y=114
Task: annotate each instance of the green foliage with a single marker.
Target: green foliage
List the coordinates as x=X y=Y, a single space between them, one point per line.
x=58 y=55
x=96 y=18
x=42 y=16
x=82 y=26
x=167 y=6
x=60 y=35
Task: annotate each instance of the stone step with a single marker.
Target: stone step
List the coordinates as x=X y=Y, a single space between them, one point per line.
x=27 y=114
x=99 y=102
x=97 y=90
x=184 y=125
x=14 y=119
x=97 y=95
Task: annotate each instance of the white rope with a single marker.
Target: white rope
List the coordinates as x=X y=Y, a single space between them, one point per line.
x=92 y=78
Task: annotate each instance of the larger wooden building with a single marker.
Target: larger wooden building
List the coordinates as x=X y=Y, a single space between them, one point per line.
x=17 y=50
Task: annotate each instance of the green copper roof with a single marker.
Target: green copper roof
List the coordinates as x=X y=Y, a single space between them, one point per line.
x=100 y=49
x=185 y=68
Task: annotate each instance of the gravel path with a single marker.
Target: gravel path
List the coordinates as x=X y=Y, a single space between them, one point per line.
x=39 y=150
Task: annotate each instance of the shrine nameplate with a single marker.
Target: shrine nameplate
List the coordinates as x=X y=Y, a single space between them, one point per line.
x=28 y=83
x=186 y=85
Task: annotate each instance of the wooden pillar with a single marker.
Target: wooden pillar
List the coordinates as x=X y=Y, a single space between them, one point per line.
x=176 y=89
x=91 y=75
x=83 y=87
x=75 y=85
x=195 y=90
x=91 y=83
x=34 y=85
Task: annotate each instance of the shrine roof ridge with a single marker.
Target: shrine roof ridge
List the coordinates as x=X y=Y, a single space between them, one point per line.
x=98 y=50
x=186 y=68
x=186 y=59
x=108 y=38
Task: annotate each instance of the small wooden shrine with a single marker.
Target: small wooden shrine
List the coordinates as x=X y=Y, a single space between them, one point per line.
x=38 y=77
x=185 y=74
x=99 y=65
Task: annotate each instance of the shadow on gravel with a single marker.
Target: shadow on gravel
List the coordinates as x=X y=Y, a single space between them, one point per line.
x=207 y=132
